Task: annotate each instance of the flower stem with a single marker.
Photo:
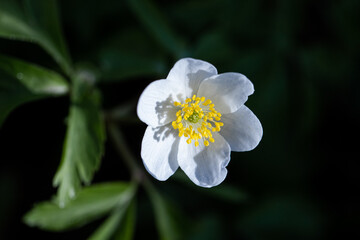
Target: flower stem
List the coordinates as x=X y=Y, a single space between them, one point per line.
x=122 y=149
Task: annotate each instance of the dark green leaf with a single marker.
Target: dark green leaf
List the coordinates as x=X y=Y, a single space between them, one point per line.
x=12 y=95
x=165 y=222
x=35 y=21
x=121 y=221
x=117 y=66
x=91 y=203
x=126 y=230
x=120 y=62
x=21 y=82
x=35 y=78
x=84 y=141
x=155 y=23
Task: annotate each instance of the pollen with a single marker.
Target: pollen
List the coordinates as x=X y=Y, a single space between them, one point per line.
x=197 y=119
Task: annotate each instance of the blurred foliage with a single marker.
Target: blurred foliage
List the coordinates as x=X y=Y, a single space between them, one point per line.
x=91 y=203
x=35 y=21
x=302 y=57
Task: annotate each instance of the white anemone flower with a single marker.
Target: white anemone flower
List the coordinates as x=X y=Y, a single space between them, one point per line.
x=195 y=118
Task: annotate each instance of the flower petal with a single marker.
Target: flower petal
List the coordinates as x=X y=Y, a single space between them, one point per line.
x=205 y=166
x=189 y=73
x=159 y=151
x=242 y=129
x=155 y=106
x=228 y=91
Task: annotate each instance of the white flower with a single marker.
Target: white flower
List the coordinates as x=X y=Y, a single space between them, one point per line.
x=195 y=117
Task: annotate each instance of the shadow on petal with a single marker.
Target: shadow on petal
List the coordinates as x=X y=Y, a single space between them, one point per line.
x=162 y=134
x=196 y=79
x=165 y=110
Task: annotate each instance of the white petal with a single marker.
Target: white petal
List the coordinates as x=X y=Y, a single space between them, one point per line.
x=242 y=129
x=159 y=151
x=156 y=103
x=205 y=166
x=189 y=73
x=228 y=91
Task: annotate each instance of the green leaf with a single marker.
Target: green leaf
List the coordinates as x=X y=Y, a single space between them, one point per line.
x=165 y=222
x=21 y=82
x=35 y=21
x=151 y=18
x=91 y=203
x=126 y=230
x=84 y=141
x=37 y=79
x=12 y=95
x=120 y=224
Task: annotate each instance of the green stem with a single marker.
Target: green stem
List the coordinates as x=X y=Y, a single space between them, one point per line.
x=123 y=114
x=122 y=149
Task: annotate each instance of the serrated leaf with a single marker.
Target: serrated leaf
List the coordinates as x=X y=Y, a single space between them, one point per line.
x=35 y=21
x=165 y=222
x=84 y=141
x=91 y=203
x=119 y=226
x=152 y=19
x=35 y=78
x=21 y=82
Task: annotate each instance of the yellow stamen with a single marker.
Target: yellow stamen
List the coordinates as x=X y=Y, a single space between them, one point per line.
x=197 y=119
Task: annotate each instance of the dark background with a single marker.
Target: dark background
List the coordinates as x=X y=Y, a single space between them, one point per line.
x=303 y=57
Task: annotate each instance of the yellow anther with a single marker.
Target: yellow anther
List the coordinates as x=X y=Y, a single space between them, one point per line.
x=195 y=121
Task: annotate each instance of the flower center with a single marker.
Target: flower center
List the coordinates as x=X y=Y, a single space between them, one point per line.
x=196 y=119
